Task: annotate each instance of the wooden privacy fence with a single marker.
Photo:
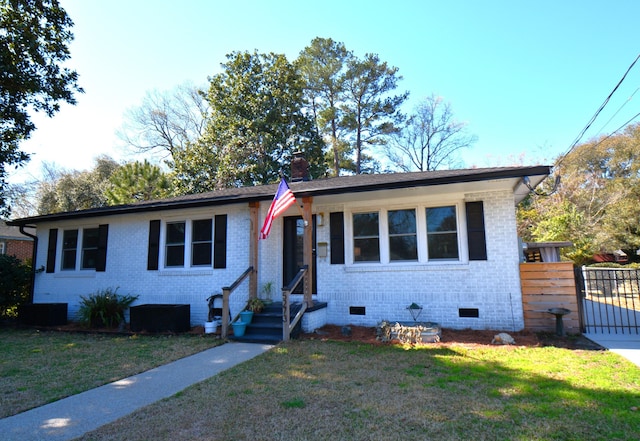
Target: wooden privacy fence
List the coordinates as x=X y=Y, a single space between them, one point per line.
x=545 y=286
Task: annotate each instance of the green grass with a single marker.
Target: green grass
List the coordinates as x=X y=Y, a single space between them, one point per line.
x=40 y=367
x=314 y=390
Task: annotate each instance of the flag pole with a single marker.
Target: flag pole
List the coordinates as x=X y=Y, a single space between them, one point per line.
x=306 y=223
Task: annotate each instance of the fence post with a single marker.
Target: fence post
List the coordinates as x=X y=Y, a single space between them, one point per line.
x=225 y=312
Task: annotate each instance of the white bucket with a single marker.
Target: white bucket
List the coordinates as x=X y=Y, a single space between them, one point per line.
x=210 y=327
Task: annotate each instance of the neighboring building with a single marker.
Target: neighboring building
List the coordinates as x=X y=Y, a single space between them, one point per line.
x=14 y=243
x=445 y=240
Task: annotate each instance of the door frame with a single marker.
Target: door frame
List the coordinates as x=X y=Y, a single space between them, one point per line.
x=292 y=243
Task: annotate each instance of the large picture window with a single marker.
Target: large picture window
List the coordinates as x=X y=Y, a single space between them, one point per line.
x=366 y=237
x=175 y=244
x=442 y=233
x=403 y=244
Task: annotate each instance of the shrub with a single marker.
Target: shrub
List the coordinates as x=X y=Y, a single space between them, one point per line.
x=105 y=308
x=15 y=280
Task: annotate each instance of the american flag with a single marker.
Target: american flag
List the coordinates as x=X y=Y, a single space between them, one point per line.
x=283 y=199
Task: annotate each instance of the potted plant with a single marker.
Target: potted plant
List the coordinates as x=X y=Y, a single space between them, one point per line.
x=246 y=316
x=267 y=292
x=239 y=327
x=255 y=305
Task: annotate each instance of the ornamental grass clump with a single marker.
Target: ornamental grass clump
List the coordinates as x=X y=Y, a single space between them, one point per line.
x=105 y=308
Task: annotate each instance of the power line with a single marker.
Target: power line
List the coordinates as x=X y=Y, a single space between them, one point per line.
x=602 y=106
x=618 y=111
x=616 y=130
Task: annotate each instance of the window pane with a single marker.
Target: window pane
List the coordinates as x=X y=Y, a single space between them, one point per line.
x=365 y=224
x=175 y=233
x=442 y=233
x=201 y=254
x=402 y=222
x=69 y=249
x=366 y=250
x=89 y=248
x=403 y=248
x=441 y=219
x=202 y=230
x=403 y=240
x=175 y=244
x=443 y=246
x=175 y=255
x=366 y=243
x=70 y=239
x=68 y=259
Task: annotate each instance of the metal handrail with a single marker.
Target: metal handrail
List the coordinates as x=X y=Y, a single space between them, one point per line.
x=286 y=309
x=226 y=293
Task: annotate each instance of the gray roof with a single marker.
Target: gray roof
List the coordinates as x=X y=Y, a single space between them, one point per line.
x=317 y=187
x=13 y=233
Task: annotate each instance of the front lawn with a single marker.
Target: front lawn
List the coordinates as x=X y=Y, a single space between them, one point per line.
x=318 y=390
x=39 y=367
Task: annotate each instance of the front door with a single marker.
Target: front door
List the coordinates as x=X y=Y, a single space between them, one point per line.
x=293 y=260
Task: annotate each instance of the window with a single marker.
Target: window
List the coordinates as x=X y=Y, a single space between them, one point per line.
x=442 y=233
x=366 y=237
x=3 y=248
x=201 y=244
x=89 y=248
x=403 y=241
x=69 y=249
x=175 y=244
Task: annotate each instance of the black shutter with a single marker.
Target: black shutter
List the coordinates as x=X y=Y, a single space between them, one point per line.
x=336 y=226
x=51 y=251
x=154 y=245
x=103 y=234
x=220 y=242
x=475 y=231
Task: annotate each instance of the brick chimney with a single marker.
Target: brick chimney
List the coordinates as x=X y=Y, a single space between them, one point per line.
x=299 y=168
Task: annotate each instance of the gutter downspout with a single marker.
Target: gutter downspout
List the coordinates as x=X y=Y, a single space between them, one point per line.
x=33 y=261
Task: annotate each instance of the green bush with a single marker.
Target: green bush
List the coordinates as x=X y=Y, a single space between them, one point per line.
x=15 y=281
x=105 y=308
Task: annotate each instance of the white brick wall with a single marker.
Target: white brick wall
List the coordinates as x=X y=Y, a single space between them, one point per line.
x=385 y=290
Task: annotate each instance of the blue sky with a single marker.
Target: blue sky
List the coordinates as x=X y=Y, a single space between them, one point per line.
x=525 y=76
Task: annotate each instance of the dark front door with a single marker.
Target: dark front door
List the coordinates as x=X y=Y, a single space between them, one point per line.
x=293 y=250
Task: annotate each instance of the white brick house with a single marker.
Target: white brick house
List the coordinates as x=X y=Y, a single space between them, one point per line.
x=446 y=240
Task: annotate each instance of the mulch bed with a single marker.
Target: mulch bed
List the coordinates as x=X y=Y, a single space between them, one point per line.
x=363 y=334
x=466 y=337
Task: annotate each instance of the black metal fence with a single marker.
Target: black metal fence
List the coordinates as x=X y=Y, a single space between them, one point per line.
x=609 y=300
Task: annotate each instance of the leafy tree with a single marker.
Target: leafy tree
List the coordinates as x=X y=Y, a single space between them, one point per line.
x=194 y=169
x=34 y=38
x=137 y=181
x=369 y=112
x=15 y=281
x=256 y=121
x=596 y=207
x=430 y=138
x=75 y=190
x=166 y=122
x=322 y=66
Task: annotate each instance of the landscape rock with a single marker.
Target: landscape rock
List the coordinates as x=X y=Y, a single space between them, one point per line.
x=503 y=339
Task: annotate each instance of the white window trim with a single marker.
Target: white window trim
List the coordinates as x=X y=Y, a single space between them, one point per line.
x=78 y=265
x=421 y=226
x=188 y=244
x=3 y=248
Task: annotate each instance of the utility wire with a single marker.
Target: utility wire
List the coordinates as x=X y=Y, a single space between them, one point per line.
x=602 y=106
x=618 y=111
x=616 y=130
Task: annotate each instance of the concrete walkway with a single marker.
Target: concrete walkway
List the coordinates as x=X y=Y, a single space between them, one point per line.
x=74 y=416
x=626 y=345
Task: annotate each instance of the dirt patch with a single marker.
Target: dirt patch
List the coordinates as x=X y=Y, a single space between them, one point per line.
x=449 y=337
